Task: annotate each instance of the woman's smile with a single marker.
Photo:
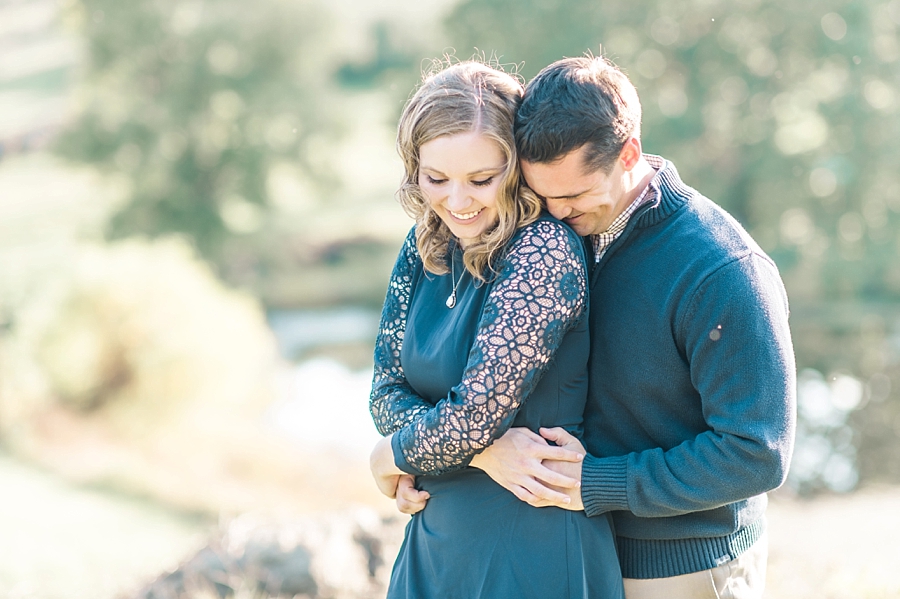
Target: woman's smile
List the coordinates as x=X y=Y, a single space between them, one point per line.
x=466 y=216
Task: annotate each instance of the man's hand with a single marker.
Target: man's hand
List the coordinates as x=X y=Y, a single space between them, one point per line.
x=385 y=473
x=564 y=439
x=515 y=462
x=409 y=499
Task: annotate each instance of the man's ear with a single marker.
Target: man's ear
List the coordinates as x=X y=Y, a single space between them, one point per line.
x=631 y=153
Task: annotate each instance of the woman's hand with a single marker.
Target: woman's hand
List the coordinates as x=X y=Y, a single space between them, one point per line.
x=384 y=471
x=520 y=461
x=409 y=499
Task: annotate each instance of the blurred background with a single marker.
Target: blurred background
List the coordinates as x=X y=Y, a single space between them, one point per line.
x=197 y=225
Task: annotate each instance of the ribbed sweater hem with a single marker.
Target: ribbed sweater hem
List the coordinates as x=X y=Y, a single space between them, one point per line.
x=603 y=484
x=652 y=558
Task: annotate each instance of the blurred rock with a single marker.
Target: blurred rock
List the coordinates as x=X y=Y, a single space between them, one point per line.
x=345 y=555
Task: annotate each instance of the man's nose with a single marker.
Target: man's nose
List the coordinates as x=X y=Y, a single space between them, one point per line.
x=558 y=208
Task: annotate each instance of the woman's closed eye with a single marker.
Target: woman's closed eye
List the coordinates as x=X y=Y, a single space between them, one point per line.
x=479 y=183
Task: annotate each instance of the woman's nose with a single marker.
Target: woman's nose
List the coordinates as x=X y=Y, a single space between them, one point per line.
x=457 y=199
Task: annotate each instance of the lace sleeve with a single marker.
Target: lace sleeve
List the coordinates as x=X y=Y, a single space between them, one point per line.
x=393 y=403
x=538 y=296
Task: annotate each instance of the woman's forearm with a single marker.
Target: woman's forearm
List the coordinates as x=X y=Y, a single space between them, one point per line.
x=384 y=471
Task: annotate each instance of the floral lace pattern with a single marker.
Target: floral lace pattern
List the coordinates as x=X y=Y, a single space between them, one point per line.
x=393 y=403
x=538 y=295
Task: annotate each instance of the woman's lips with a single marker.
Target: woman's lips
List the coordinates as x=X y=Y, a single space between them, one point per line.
x=465 y=216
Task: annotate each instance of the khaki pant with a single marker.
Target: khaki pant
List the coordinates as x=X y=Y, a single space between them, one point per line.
x=741 y=578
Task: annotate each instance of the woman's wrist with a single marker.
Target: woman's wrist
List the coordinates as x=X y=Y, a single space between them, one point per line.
x=381 y=461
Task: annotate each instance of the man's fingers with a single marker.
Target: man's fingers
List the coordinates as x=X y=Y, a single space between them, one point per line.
x=558 y=434
x=534 y=468
x=527 y=432
x=540 y=494
x=531 y=499
x=564 y=438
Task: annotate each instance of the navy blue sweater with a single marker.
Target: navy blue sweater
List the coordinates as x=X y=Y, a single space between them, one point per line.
x=691 y=405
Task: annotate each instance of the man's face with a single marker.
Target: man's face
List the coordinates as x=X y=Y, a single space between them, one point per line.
x=587 y=202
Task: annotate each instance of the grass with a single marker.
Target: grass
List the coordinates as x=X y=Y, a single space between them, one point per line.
x=64 y=541
x=835 y=547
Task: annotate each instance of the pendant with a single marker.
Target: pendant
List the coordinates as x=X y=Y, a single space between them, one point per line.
x=451 y=301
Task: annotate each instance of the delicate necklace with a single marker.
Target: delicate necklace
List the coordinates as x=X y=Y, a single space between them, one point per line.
x=451 y=300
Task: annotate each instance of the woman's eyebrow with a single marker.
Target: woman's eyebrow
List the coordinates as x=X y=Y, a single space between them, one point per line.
x=495 y=169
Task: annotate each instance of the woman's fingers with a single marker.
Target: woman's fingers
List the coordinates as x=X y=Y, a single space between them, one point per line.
x=557 y=479
x=409 y=499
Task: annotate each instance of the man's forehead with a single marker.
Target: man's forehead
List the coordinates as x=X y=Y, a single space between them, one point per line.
x=559 y=180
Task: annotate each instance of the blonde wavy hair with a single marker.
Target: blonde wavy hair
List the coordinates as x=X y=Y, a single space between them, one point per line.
x=461 y=98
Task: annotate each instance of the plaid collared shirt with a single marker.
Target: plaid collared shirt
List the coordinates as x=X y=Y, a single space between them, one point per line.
x=602 y=241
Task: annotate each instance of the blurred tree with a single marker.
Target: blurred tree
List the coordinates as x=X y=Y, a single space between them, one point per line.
x=387 y=58
x=193 y=102
x=786 y=113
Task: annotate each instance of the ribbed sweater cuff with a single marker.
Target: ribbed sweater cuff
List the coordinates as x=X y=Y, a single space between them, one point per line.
x=603 y=484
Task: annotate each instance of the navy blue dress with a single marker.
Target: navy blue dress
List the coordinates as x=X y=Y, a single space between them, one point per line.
x=448 y=381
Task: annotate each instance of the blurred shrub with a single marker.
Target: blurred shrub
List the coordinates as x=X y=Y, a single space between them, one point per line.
x=142 y=332
x=135 y=369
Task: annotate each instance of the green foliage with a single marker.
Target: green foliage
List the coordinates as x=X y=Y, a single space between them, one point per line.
x=786 y=113
x=193 y=102
x=387 y=58
x=135 y=330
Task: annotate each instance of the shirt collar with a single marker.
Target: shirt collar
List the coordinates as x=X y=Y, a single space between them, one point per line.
x=602 y=241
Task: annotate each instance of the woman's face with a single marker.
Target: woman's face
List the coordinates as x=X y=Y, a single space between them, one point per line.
x=460 y=176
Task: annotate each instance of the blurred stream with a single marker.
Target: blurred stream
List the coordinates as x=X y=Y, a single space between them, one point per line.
x=323 y=401
x=298 y=331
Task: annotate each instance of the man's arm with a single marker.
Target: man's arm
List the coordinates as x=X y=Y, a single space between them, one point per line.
x=736 y=340
x=746 y=380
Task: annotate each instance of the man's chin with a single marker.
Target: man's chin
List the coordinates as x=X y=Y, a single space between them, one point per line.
x=581 y=228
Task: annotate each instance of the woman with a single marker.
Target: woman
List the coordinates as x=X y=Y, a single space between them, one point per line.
x=484 y=327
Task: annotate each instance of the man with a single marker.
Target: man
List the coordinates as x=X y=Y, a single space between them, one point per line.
x=691 y=407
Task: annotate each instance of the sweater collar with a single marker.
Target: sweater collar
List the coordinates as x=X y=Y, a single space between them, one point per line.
x=670 y=192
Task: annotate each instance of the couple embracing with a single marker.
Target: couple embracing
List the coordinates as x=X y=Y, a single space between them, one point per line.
x=584 y=371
